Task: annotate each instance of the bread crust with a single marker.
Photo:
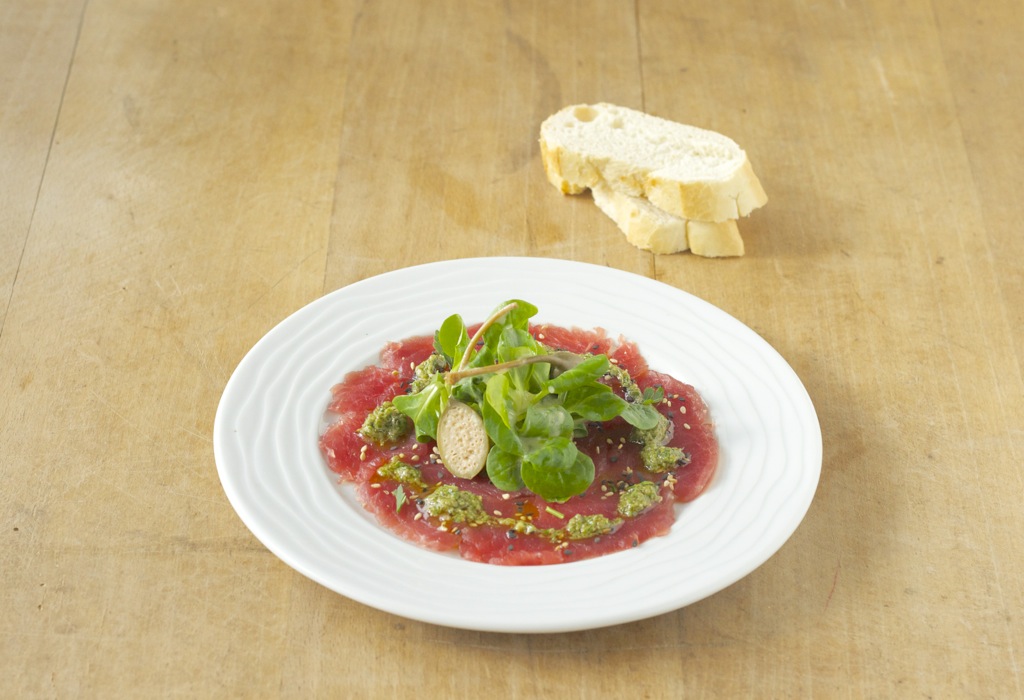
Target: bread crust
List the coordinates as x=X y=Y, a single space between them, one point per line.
x=649 y=228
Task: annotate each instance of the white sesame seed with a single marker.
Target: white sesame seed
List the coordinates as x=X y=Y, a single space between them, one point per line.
x=686 y=425
x=374 y=486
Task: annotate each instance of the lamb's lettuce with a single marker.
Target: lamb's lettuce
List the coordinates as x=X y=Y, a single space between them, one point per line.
x=533 y=402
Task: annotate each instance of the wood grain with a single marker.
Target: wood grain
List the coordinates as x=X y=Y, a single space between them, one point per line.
x=36 y=45
x=179 y=177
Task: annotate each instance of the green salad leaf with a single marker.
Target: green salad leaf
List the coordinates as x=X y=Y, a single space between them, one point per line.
x=533 y=401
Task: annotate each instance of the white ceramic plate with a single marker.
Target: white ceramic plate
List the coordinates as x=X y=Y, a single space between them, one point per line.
x=269 y=419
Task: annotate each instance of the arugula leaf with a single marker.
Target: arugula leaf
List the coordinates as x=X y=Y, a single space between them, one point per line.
x=496 y=396
x=503 y=436
x=547 y=420
x=587 y=371
x=596 y=402
x=451 y=339
x=504 y=469
x=520 y=316
x=641 y=415
x=557 y=471
x=424 y=407
x=654 y=395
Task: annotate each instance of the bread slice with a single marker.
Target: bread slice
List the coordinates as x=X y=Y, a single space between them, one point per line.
x=689 y=172
x=649 y=228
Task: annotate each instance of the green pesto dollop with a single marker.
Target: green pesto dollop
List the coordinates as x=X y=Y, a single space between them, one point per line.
x=525 y=527
x=581 y=527
x=448 y=502
x=656 y=455
x=385 y=424
x=638 y=498
x=630 y=389
x=661 y=458
x=402 y=472
x=426 y=370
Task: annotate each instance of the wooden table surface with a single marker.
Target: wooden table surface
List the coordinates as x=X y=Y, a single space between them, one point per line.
x=179 y=176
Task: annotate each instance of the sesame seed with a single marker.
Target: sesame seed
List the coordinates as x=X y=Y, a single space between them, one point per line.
x=686 y=425
x=418 y=516
x=622 y=440
x=620 y=445
x=506 y=496
x=614 y=361
x=374 y=486
x=415 y=458
x=598 y=449
x=682 y=409
x=497 y=512
x=609 y=441
x=442 y=528
x=540 y=336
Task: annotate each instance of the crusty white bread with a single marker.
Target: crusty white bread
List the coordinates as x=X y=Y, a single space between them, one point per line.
x=689 y=172
x=649 y=228
x=645 y=225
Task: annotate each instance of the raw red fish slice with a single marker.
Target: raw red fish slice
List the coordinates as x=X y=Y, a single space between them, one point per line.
x=693 y=432
x=572 y=339
x=364 y=390
x=381 y=501
x=627 y=355
x=497 y=546
x=405 y=355
x=617 y=463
